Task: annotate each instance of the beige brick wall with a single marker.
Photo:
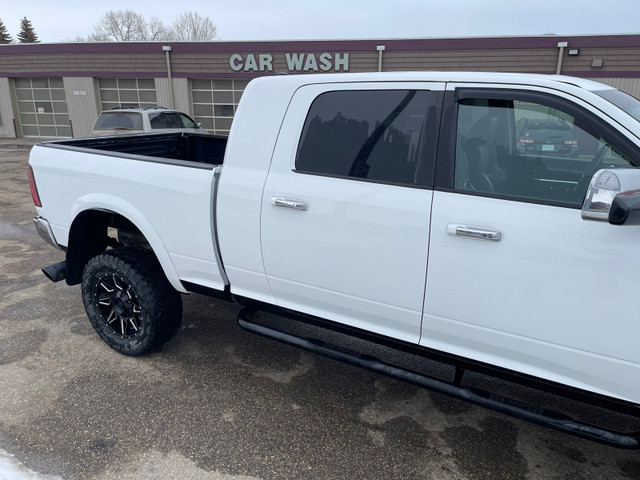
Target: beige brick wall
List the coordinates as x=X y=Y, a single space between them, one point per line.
x=80 y=65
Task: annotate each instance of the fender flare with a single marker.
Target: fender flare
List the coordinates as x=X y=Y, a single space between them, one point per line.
x=108 y=203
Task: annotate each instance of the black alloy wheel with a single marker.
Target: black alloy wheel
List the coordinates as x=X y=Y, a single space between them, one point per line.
x=118 y=306
x=129 y=301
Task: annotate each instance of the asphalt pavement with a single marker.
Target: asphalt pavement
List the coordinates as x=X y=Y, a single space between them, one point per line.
x=220 y=403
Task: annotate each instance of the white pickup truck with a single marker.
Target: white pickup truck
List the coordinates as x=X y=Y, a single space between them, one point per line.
x=486 y=220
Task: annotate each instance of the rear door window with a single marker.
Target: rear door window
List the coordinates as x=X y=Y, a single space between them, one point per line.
x=378 y=135
x=165 y=120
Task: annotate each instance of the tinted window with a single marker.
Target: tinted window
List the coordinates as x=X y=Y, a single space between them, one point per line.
x=119 y=121
x=623 y=101
x=529 y=151
x=381 y=135
x=165 y=120
x=187 y=122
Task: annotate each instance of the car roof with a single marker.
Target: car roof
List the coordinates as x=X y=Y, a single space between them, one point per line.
x=138 y=110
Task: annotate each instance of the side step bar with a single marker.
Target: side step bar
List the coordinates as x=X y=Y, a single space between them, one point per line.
x=521 y=410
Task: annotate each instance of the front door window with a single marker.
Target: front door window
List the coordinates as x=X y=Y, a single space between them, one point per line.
x=528 y=151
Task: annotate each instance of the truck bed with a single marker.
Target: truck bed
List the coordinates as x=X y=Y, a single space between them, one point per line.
x=190 y=147
x=162 y=183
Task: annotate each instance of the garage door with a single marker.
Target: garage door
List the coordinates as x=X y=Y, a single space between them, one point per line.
x=42 y=107
x=215 y=102
x=127 y=92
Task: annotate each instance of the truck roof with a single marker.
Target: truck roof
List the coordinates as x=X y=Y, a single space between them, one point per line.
x=474 y=77
x=625 y=111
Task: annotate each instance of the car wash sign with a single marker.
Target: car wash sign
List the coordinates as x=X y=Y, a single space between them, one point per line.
x=295 y=62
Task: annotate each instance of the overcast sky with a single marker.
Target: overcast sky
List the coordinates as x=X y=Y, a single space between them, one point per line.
x=63 y=20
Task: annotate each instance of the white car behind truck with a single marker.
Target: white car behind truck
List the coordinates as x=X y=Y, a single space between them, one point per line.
x=124 y=120
x=397 y=207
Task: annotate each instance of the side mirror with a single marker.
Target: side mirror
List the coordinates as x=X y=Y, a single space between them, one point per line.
x=614 y=196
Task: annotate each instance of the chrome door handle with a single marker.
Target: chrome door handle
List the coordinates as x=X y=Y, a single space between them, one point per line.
x=474 y=232
x=289 y=203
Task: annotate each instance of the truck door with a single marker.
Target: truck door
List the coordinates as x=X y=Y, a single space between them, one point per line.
x=346 y=205
x=516 y=277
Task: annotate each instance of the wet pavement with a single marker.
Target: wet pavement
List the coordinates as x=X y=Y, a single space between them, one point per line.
x=219 y=403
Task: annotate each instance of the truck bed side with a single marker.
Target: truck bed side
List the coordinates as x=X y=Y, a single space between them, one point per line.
x=168 y=198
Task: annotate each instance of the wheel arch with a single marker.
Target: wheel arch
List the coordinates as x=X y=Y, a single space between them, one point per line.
x=88 y=236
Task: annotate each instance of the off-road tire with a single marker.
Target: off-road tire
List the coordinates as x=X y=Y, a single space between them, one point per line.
x=129 y=301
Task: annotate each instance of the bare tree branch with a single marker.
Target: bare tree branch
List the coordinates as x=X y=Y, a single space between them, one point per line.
x=127 y=25
x=120 y=26
x=156 y=31
x=192 y=27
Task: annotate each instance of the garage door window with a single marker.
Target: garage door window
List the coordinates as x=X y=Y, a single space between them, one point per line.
x=215 y=102
x=127 y=92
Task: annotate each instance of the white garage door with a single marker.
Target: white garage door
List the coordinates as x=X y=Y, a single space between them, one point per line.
x=42 y=107
x=215 y=102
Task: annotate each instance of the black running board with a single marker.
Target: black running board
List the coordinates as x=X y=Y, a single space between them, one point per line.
x=521 y=410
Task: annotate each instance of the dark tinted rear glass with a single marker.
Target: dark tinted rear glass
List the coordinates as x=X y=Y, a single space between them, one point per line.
x=119 y=121
x=380 y=135
x=165 y=120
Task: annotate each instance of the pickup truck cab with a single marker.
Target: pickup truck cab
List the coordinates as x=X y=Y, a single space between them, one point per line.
x=401 y=207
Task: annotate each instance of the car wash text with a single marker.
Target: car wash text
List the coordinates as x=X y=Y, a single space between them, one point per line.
x=295 y=62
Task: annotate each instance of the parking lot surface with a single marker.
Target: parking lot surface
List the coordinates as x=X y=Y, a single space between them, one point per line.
x=219 y=403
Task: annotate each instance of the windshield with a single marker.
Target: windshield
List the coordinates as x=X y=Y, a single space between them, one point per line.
x=623 y=101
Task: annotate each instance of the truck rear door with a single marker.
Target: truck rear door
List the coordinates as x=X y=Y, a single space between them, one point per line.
x=346 y=206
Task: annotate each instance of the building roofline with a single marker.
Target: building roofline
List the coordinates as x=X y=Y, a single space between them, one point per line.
x=454 y=43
